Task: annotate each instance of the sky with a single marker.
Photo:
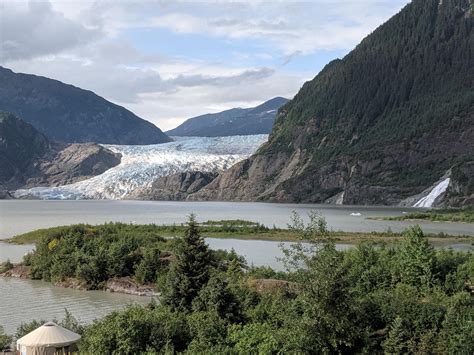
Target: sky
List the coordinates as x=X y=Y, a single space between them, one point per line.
x=167 y=61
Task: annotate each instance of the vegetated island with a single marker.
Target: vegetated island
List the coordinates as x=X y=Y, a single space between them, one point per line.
x=232 y=229
x=464 y=215
x=127 y=258
x=409 y=299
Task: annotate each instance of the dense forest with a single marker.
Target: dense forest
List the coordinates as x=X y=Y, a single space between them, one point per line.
x=411 y=79
x=368 y=299
x=381 y=124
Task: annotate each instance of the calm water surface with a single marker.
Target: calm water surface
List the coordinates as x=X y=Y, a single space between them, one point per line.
x=19 y=216
x=23 y=300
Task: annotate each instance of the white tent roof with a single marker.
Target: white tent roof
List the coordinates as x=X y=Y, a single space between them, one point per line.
x=49 y=334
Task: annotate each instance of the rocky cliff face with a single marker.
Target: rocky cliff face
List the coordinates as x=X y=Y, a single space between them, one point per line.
x=28 y=158
x=69 y=114
x=175 y=187
x=380 y=125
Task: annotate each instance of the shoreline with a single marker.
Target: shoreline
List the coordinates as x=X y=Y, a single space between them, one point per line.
x=124 y=285
x=287 y=236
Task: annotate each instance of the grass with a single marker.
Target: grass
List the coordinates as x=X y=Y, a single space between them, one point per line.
x=465 y=215
x=240 y=229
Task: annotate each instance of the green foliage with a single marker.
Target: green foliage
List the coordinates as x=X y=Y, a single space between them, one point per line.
x=190 y=272
x=406 y=88
x=368 y=299
x=217 y=297
x=253 y=338
x=450 y=215
x=137 y=330
x=5 y=340
x=94 y=254
x=208 y=332
x=147 y=270
x=457 y=333
x=416 y=259
x=6 y=266
x=397 y=337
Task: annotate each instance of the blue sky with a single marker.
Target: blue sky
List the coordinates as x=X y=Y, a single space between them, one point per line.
x=171 y=60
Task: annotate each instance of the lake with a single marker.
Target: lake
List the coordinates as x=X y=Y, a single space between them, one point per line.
x=19 y=216
x=23 y=300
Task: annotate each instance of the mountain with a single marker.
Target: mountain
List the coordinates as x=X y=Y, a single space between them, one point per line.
x=378 y=126
x=69 y=114
x=233 y=122
x=28 y=158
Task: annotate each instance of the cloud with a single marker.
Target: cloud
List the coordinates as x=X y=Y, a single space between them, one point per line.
x=35 y=29
x=100 y=46
x=294 y=27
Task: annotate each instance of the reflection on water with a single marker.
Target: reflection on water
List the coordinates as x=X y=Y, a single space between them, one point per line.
x=24 y=300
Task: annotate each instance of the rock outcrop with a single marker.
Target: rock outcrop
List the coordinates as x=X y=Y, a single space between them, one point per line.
x=28 y=158
x=175 y=187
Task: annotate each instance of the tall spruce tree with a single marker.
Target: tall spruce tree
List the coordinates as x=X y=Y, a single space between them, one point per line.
x=190 y=272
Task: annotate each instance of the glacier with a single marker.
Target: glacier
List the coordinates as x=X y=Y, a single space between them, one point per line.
x=142 y=164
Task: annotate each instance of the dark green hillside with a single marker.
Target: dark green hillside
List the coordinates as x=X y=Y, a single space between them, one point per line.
x=412 y=75
x=381 y=124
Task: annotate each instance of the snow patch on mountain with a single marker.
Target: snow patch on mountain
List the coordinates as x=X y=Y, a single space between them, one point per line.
x=141 y=165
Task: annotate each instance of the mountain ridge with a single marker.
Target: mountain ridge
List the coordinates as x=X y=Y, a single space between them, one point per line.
x=232 y=122
x=66 y=113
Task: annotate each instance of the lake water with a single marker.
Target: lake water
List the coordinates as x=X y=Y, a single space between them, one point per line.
x=23 y=300
x=19 y=216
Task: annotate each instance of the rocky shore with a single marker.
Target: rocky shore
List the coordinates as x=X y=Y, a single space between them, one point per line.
x=125 y=285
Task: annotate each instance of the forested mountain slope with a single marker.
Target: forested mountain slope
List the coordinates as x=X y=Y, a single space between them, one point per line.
x=384 y=123
x=69 y=114
x=233 y=122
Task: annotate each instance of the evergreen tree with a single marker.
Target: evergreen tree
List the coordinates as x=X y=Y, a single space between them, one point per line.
x=216 y=296
x=190 y=272
x=396 y=340
x=416 y=259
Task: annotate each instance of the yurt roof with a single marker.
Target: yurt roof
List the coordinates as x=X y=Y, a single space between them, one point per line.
x=49 y=334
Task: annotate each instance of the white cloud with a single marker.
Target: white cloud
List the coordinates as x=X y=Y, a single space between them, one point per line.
x=84 y=43
x=29 y=30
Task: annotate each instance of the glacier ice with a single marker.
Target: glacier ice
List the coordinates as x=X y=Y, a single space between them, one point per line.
x=142 y=164
x=429 y=199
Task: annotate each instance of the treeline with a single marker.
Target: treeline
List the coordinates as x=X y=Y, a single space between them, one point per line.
x=407 y=86
x=408 y=299
x=452 y=215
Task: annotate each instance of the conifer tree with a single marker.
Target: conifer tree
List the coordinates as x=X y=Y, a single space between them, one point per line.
x=190 y=271
x=416 y=259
